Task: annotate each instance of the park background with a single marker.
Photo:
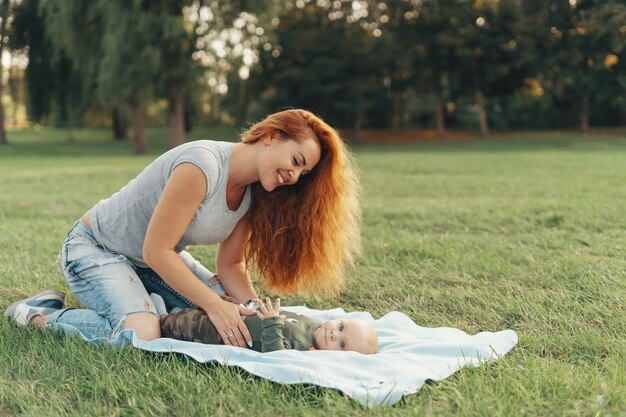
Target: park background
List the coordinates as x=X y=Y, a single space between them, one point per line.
x=474 y=66
x=490 y=141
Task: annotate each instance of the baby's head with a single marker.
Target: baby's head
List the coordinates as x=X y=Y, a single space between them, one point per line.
x=346 y=334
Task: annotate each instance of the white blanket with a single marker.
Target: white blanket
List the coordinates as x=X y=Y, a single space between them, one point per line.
x=408 y=356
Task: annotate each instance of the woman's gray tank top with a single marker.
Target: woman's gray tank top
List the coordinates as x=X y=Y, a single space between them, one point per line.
x=120 y=222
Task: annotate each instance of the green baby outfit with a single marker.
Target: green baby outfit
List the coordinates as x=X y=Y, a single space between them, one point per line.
x=294 y=331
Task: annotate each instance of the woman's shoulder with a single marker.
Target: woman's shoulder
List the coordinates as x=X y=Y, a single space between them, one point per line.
x=210 y=156
x=220 y=147
x=209 y=150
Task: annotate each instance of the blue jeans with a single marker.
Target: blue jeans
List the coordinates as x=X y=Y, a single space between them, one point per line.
x=111 y=287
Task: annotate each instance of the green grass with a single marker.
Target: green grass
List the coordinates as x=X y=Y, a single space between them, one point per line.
x=524 y=232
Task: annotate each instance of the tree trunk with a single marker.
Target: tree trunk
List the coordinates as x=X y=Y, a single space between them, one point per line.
x=13 y=83
x=214 y=114
x=188 y=117
x=396 y=106
x=3 y=30
x=440 y=103
x=177 y=118
x=358 y=123
x=3 y=133
x=622 y=112
x=584 y=113
x=14 y=115
x=118 y=117
x=503 y=117
x=139 y=140
x=441 y=115
x=482 y=113
x=243 y=102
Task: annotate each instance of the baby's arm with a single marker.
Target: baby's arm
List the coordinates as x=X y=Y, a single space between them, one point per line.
x=272 y=332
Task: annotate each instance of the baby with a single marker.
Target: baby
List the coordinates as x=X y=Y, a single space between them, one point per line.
x=272 y=329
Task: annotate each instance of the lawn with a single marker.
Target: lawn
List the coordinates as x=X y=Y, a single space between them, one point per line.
x=525 y=232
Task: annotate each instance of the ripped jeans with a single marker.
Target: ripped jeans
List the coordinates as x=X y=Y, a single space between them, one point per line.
x=111 y=287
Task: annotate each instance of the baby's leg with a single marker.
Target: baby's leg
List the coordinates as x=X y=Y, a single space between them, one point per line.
x=192 y=325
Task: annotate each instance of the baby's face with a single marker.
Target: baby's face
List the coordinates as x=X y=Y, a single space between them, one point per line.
x=346 y=334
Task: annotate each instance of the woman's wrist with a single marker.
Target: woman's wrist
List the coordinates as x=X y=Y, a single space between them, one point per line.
x=236 y=283
x=210 y=302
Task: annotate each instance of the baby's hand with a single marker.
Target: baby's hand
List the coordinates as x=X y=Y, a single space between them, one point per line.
x=268 y=310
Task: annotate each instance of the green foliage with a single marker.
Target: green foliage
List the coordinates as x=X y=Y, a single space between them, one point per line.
x=393 y=64
x=123 y=50
x=326 y=65
x=523 y=232
x=55 y=88
x=574 y=46
x=75 y=30
x=131 y=62
x=487 y=49
x=448 y=49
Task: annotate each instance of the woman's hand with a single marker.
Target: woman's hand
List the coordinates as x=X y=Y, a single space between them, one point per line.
x=226 y=318
x=268 y=310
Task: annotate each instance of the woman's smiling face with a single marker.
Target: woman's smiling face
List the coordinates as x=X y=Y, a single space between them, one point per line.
x=283 y=160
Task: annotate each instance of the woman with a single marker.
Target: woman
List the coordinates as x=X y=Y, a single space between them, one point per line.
x=284 y=200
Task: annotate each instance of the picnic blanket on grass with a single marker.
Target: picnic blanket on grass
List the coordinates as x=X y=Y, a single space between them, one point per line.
x=407 y=357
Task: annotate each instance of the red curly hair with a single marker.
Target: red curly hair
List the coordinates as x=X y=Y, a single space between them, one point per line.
x=303 y=235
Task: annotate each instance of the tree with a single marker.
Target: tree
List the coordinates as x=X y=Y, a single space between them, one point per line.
x=127 y=53
x=54 y=86
x=6 y=4
x=16 y=84
x=491 y=61
x=582 y=47
x=600 y=38
x=329 y=65
x=229 y=38
x=75 y=30
x=425 y=33
x=176 y=41
x=131 y=64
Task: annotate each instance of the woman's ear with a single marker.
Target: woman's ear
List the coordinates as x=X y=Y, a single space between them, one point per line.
x=267 y=139
x=273 y=135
